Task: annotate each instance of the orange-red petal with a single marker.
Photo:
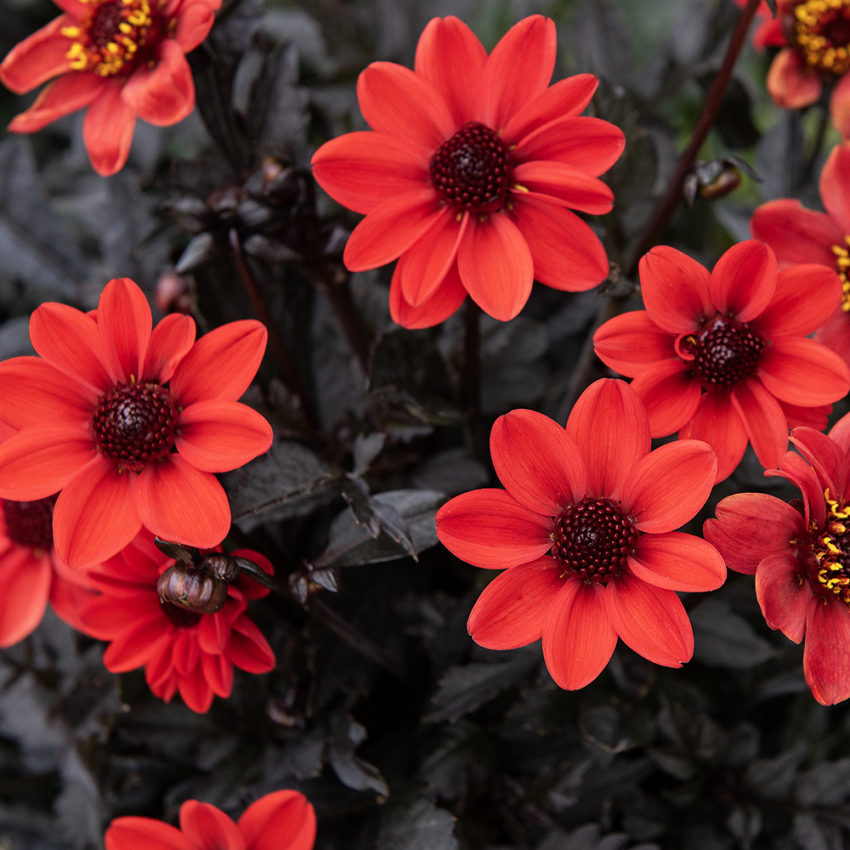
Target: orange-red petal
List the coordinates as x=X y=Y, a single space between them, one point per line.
x=675 y=290
x=24 y=590
x=108 y=129
x=208 y=827
x=565 y=184
x=131 y=833
x=826 y=658
x=632 y=341
x=38 y=58
x=834 y=183
x=194 y=21
x=783 y=595
x=428 y=260
x=448 y=296
x=806 y=296
x=798 y=235
x=170 y=341
x=670 y=392
x=124 y=320
x=61 y=97
x=248 y=649
x=803 y=372
x=676 y=561
x=744 y=280
x=767 y=427
x=791 y=83
x=718 y=423
x=161 y=94
x=839 y=106
x=282 y=820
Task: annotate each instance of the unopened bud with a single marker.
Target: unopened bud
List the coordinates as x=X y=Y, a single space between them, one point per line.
x=220 y=566
x=192 y=589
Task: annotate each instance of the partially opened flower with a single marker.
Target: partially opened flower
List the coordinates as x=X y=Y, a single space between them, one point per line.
x=122 y=59
x=181 y=650
x=282 y=820
x=815 y=55
x=471 y=172
x=586 y=529
x=128 y=423
x=723 y=357
x=800 y=558
x=798 y=235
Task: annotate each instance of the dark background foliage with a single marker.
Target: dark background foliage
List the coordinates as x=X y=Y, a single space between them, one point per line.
x=402 y=732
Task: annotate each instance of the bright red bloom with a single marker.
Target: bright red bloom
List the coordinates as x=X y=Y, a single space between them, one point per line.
x=800 y=558
x=798 y=235
x=470 y=171
x=585 y=526
x=179 y=649
x=283 y=820
x=122 y=59
x=815 y=40
x=723 y=357
x=100 y=417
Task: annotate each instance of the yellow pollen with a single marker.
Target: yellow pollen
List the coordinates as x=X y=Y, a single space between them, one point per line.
x=518 y=187
x=842 y=266
x=831 y=551
x=822 y=34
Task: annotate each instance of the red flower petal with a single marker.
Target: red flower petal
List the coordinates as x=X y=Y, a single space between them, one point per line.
x=839 y=106
x=170 y=341
x=124 y=320
x=178 y=502
x=70 y=340
x=194 y=21
x=719 y=424
x=835 y=334
x=198 y=695
x=495 y=266
x=390 y=229
x=445 y=301
x=35 y=392
x=248 y=649
x=209 y=827
x=40 y=461
x=133 y=833
x=538 y=464
x=566 y=185
x=630 y=342
x=675 y=290
x=565 y=99
x=795 y=234
x=24 y=589
x=108 y=129
x=578 y=640
x=834 y=190
x=282 y=820
x=751 y=527
x=801 y=475
x=518 y=69
x=567 y=254
x=767 y=428
x=452 y=59
x=428 y=260
x=217 y=672
x=361 y=170
x=827 y=458
x=163 y=94
x=137 y=644
x=61 y=97
x=806 y=417
x=803 y=372
x=396 y=101
x=650 y=620
x=806 y=296
x=610 y=428
x=95 y=514
x=670 y=392
x=669 y=485
x=826 y=659
x=791 y=83
x=588 y=144
x=744 y=280
x=840 y=432
x=677 y=561
x=784 y=595
x=489 y=528
x=221 y=364
x=217 y=436
x=38 y=58
x=512 y=609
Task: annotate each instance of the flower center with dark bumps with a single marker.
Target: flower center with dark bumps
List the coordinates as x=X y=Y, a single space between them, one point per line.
x=821 y=30
x=135 y=424
x=827 y=557
x=593 y=540
x=30 y=523
x=116 y=36
x=470 y=170
x=724 y=353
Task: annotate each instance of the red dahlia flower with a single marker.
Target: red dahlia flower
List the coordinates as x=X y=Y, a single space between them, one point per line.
x=470 y=171
x=122 y=59
x=283 y=820
x=723 y=357
x=130 y=424
x=800 y=558
x=179 y=649
x=585 y=529
x=815 y=40
x=798 y=235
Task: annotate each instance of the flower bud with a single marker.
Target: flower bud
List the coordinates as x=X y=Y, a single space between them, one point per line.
x=220 y=566
x=192 y=589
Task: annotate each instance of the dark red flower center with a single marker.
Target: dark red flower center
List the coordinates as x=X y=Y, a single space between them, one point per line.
x=30 y=523
x=135 y=424
x=116 y=36
x=842 y=266
x=827 y=556
x=821 y=31
x=593 y=539
x=183 y=618
x=723 y=353
x=470 y=170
